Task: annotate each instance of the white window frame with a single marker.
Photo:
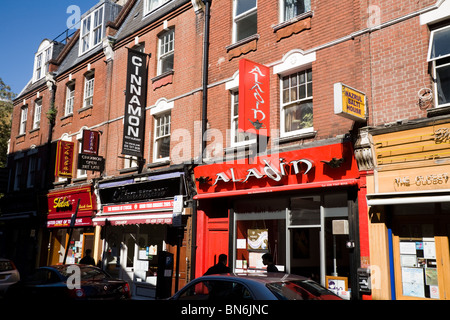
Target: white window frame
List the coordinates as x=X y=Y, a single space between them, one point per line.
x=37 y=113
x=91 y=33
x=88 y=96
x=70 y=97
x=130 y=162
x=283 y=106
x=41 y=60
x=157 y=137
x=307 y=4
x=81 y=173
x=23 y=120
x=166 y=48
x=435 y=66
x=241 y=16
x=152 y=5
x=33 y=167
x=39 y=67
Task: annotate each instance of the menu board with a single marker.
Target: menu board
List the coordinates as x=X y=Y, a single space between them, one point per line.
x=419 y=269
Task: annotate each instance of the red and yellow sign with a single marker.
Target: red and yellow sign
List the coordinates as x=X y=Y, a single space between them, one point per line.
x=64 y=159
x=254 y=97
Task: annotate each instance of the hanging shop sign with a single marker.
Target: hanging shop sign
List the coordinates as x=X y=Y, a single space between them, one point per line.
x=90 y=142
x=254 y=97
x=64 y=159
x=349 y=103
x=135 y=101
x=90 y=162
x=323 y=166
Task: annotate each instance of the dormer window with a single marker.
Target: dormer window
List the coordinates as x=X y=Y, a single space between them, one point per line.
x=91 y=30
x=151 y=5
x=41 y=60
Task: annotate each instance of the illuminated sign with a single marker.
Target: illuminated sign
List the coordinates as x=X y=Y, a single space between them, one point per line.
x=349 y=103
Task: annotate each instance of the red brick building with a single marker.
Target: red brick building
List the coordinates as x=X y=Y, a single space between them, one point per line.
x=345 y=80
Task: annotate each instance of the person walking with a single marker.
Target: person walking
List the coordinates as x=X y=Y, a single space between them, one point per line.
x=87 y=259
x=268 y=261
x=219 y=267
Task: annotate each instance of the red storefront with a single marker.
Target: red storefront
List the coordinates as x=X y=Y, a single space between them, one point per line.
x=299 y=205
x=62 y=204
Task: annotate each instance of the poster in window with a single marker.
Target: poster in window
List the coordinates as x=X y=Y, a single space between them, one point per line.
x=258 y=239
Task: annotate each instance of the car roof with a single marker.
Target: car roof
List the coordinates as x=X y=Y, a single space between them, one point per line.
x=265 y=277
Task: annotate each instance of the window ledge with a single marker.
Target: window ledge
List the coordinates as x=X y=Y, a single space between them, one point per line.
x=85 y=109
x=243 y=46
x=34 y=130
x=162 y=79
x=66 y=117
x=128 y=170
x=158 y=164
x=295 y=25
x=294 y=137
x=440 y=111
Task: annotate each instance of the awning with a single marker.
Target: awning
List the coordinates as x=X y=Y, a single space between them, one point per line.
x=124 y=219
x=313 y=185
x=380 y=199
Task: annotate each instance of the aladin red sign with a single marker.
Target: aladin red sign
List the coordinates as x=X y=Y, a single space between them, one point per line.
x=254 y=97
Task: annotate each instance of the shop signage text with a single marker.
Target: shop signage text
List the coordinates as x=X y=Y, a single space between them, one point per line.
x=64 y=159
x=141 y=206
x=135 y=101
x=254 y=97
x=269 y=171
x=66 y=201
x=349 y=103
x=432 y=179
x=90 y=142
x=90 y=162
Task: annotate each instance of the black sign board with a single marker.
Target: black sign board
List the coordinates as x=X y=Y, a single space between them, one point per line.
x=135 y=100
x=90 y=162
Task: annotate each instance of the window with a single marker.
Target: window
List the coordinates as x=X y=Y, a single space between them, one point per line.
x=18 y=174
x=91 y=30
x=88 y=90
x=70 y=94
x=37 y=113
x=166 y=50
x=216 y=290
x=439 y=54
x=150 y=5
x=237 y=138
x=23 y=120
x=245 y=23
x=296 y=102
x=33 y=164
x=81 y=173
x=130 y=162
x=162 y=137
x=292 y=8
x=39 y=71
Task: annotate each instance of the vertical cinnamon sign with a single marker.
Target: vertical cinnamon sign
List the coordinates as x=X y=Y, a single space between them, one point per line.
x=254 y=97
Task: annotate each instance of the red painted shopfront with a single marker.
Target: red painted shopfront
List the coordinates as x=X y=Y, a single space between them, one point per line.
x=299 y=205
x=62 y=204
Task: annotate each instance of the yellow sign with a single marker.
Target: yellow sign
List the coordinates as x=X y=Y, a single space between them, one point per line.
x=349 y=102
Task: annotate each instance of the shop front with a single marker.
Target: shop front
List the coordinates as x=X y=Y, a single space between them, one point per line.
x=62 y=205
x=142 y=220
x=301 y=206
x=409 y=210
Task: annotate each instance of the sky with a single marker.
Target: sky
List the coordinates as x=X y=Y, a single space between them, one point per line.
x=23 y=26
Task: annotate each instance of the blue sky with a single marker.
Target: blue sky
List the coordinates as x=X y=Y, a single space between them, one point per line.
x=24 y=24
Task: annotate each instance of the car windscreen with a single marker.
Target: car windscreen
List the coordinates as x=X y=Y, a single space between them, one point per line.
x=86 y=273
x=297 y=290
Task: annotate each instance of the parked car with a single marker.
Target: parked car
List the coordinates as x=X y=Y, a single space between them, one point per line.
x=8 y=275
x=61 y=282
x=264 y=286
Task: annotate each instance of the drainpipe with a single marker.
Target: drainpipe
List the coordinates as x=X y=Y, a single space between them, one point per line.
x=205 y=74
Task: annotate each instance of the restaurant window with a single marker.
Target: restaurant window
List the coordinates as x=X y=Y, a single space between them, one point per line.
x=161 y=149
x=37 y=114
x=70 y=95
x=296 y=103
x=166 y=51
x=439 y=56
x=292 y=8
x=237 y=137
x=244 y=19
x=88 y=90
x=23 y=120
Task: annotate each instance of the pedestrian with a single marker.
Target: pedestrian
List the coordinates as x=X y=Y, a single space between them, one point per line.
x=219 y=267
x=87 y=259
x=268 y=261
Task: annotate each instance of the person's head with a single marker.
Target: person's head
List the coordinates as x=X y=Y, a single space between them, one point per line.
x=88 y=252
x=267 y=258
x=223 y=259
